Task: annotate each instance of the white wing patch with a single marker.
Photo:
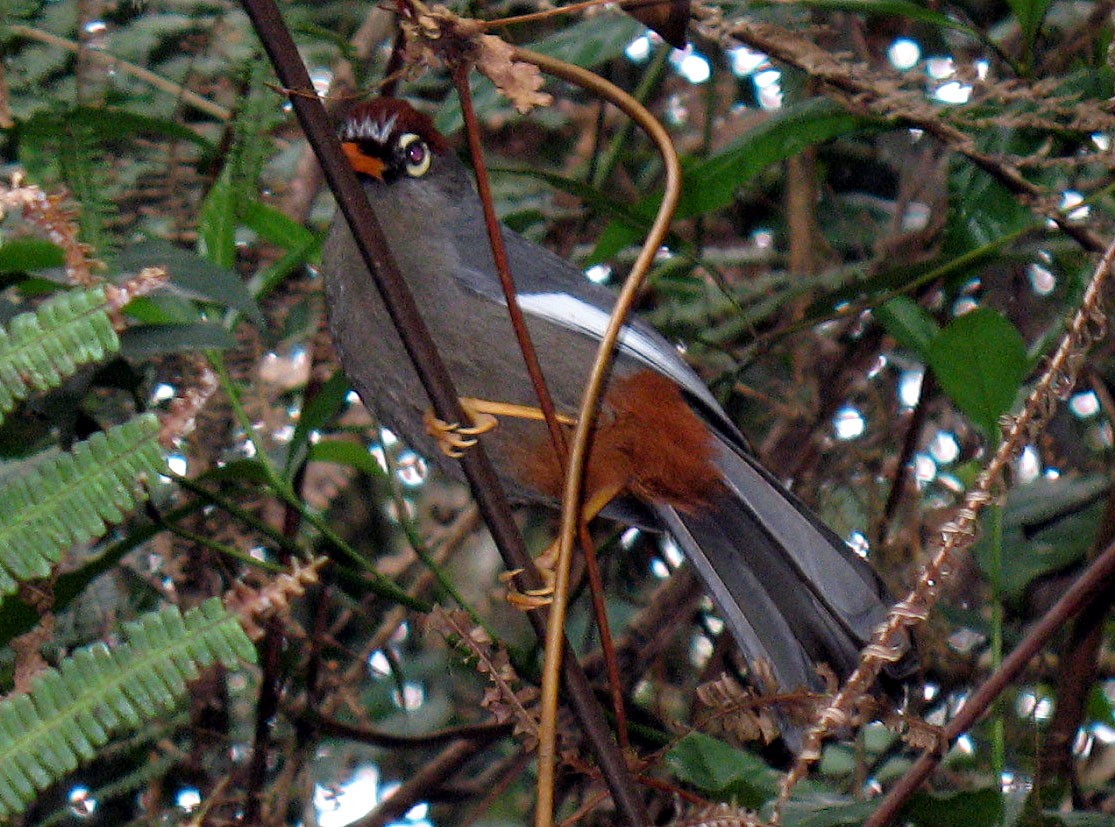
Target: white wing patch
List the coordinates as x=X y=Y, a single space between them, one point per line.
x=569 y=311
x=368 y=129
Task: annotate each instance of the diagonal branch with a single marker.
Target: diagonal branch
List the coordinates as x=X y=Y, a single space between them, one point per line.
x=1093 y=584
x=481 y=475
x=1057 y=380
x=574 y=479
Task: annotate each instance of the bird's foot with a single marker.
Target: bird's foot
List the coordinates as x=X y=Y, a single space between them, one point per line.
x=454 y=438
x=528 y=599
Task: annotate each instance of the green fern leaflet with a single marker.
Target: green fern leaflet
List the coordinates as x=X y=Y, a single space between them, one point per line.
x=41 y=348
x=98 y=692
x=71 y=498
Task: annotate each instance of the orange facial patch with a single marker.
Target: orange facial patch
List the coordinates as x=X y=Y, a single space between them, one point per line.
x=362 y=162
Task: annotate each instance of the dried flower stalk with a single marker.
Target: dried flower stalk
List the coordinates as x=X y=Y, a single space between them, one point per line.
x=1088 y=325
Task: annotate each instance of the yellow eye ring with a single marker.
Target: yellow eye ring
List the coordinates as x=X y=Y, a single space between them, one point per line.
x=416 y=155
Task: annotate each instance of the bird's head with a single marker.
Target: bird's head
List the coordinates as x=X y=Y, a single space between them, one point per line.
x=388 y=139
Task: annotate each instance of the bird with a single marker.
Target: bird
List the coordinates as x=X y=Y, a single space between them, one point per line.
x=665 y=455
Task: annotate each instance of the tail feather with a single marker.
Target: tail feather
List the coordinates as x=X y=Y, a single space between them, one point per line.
x=789 y=589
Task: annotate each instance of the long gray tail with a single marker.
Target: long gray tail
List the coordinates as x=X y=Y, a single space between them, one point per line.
x=790 y=590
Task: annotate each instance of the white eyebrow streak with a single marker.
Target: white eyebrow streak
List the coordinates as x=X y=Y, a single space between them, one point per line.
x=369 y=129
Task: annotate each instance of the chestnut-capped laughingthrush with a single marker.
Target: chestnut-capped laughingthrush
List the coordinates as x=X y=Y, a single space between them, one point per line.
x=790 y=590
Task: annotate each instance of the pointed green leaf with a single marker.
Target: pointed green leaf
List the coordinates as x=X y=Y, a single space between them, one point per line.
x=28 y=254
x=722 y=771
x=343 y=452
x=145 y=341
x=711 y=184
x=192 y=275
x=907 y=321
x=321 y=409
x=275 y=226
x=979 y=360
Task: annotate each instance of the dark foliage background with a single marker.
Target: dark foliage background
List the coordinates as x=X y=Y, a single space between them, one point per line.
x=890 y=211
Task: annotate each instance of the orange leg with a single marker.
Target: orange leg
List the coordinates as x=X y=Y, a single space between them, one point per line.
x=454 y=439
x=535 y=598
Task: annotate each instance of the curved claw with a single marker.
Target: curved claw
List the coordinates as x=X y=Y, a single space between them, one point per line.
x=528 y=599
x=481 y=422
x=452 y=439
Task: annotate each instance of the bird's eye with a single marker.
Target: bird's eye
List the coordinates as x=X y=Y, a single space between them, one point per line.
x=416 y=155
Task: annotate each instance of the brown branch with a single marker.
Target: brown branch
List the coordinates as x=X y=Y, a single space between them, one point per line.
x=909 y=446
x=486 y=488
x=418 y=786
x=480 y=733
x=1085 y=593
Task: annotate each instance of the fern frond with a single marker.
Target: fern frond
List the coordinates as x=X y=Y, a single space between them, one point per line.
x=70 y=498
x=71 y=711
x=41 y=348
x=84 y=164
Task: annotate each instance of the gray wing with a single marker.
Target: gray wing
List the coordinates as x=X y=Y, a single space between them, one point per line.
x=551 y=288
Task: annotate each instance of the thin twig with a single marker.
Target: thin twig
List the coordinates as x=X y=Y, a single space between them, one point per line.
x=1056 y=381
x=573 y=491
x=146 y=75
x=538 y=380
x=478 y=470
x=503 y=265
x=1093 y=584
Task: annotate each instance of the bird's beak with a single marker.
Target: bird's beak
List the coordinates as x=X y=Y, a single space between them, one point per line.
x=362 y=162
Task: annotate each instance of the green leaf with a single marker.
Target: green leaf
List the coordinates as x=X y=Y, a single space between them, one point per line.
x=711 y=184
x=592 y=41
x=192 y=275
x=722 y=771
x=110 y=123
x=829 y=810
x=906 y=321
x=1047 y=526
x=240 y=470
x=343 y=452
x=26 y=255
x=276 y=227
x=144 y=341
x=162 y=309
x=979 y=360
x=217 y=224
x=1100 y=709
x=1030 y=14
x=970 y=808
x=329 y=399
